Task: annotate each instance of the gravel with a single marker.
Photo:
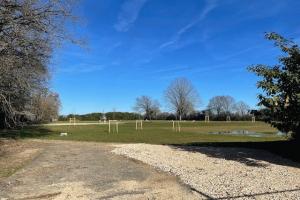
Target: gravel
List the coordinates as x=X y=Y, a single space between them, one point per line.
x=222 y=173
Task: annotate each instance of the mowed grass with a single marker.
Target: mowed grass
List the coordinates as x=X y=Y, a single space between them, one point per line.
x=156 y=132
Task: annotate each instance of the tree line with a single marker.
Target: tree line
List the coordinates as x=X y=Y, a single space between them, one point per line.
x=102 y=116
x=261 y=115
x=182 y=99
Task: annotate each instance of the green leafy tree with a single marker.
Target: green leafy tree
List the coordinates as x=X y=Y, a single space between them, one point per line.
x=281 y=87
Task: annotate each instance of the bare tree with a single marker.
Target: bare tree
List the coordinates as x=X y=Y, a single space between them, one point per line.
x=241 y=108
x=29 y=31
x=228 y=104
x=221 y=105
x=181 y=97
x=155 y=109
x=45 y=106
x=148 y=106
x=215 y=105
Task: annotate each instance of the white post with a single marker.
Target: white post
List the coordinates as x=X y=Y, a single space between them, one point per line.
x=228 y=119
x=173 y=125
x=139 y=125
x=136 y=125
x=109 y=126
x=117 y=127
x=176 y=126
x=206 y=118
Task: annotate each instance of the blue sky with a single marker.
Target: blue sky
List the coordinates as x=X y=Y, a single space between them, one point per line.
x=137 y=47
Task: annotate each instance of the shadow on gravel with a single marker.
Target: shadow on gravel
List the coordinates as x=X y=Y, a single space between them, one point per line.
x=245 y=152
x=27 y=132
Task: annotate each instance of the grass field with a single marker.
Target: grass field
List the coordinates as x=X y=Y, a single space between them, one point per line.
x=157 y=132
x=160 y=132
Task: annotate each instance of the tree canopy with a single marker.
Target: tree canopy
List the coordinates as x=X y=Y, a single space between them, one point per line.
x=221 y=105
x=147 y=106
x=29 y=31
x=182 y=97
x=281 y=86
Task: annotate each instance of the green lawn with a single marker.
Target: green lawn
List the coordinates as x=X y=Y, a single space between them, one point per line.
x=156 y=132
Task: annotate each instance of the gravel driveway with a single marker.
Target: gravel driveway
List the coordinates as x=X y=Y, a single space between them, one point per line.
x=223 y=173
x=82 y=170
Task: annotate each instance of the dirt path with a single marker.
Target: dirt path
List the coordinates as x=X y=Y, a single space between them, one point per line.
x=78 y=170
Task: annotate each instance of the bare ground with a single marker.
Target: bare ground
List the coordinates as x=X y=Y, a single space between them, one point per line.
x=86 y=170
x=80 y=170
x=14 y=155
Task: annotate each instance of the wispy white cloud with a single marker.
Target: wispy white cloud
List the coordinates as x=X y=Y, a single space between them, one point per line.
x=113 y=47
x=81 y=68
x=128 y=15
x=209 y=6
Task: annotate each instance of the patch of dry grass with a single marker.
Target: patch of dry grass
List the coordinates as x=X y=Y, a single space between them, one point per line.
x=14 y=155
